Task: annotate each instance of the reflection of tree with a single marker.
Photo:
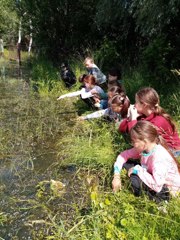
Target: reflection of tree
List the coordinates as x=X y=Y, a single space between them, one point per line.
x=2 y=71
x=1 y=48
x=12 y=52
x=19 y=53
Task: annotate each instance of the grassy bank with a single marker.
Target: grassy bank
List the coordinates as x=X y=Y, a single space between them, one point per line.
x=84 y=153
x=92 y=147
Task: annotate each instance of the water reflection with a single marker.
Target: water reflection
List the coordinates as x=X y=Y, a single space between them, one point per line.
x=2 y=69
x=30 y=127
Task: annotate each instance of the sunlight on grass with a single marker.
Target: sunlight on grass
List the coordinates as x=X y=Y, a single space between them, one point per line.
x=87 y=208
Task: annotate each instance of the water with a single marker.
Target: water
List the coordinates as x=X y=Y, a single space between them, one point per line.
x=30 y=129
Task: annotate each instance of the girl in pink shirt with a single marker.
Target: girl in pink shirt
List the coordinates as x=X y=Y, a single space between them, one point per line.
x=158 y=172
x=147 y=108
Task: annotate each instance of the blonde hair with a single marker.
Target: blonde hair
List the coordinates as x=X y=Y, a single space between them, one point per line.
x=88 y=59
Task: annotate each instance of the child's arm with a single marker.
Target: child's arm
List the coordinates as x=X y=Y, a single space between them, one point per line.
x=130 y=121
x=116 y=183
x=100 y=77
x=126 y=125
x=96 y=114
x=121 y=159
x=73 y=94
x=85 y=94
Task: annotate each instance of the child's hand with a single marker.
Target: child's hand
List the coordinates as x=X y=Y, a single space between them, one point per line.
x=97 y=105
x=116 y=120
x=116 y=183
x=130 y=171
x=80 y=118
x=97 y=100
x=94 y=92
x=132 y=113
x=61 y=97
x=134 y=170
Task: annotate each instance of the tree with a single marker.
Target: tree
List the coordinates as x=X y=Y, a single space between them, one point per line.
x=8 y=19
x=158 y=21
x=136 y=25
x=115 y=21
x=62 y=27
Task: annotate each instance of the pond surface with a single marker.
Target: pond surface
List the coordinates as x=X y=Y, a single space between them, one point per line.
x=30 y=129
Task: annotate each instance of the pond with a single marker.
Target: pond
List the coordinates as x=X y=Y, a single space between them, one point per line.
x=35 y=189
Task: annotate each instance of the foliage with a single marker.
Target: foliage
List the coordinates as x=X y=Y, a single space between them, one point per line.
x=155 y=17
x=83 y=156
x=158 y=22
x=59 y=27
x=107 y=55
x=8 y=19
x=115 y=22
x=44 y=76
x=155 y=59
x=115 y=217
x=95 y=142
x=122 y=216
x=138 y=27
x=129 y=33
x=3 y=218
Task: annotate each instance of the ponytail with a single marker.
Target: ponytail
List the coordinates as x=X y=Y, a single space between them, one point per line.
x=160 y=111
x=123 y=101
x=125 y=107
x=161 y=140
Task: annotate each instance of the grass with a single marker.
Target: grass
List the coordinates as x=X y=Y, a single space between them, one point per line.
x=94 y=145
x=114 y=216
x=87 y=209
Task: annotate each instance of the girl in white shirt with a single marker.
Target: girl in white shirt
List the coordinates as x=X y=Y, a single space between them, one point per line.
x=88 y=91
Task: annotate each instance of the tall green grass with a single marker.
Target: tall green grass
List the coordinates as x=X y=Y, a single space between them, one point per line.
x=92 y=146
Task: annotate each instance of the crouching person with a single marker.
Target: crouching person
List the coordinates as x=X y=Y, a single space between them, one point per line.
x=67 y=75
x=158 y=173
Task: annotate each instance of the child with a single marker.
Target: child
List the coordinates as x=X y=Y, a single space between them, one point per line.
x=159 y=171
x=147 y=108
x=81 y=80
x=88 y=91
x=94 y=70
x=100 y=103
x=67 y=75
x=114 y=78
x=118 y=106
x=114 y=83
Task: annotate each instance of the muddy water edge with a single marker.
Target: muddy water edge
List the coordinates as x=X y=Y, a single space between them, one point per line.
x=30 y=129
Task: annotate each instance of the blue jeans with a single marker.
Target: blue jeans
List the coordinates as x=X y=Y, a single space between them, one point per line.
x=176 y=153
